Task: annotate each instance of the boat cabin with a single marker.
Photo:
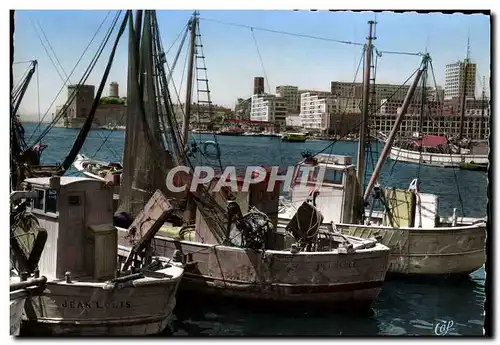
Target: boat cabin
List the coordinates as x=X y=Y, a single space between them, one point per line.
x=77 y=213
x=334 y=177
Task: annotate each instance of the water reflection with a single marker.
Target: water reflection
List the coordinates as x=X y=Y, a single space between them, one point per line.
x=403 y=308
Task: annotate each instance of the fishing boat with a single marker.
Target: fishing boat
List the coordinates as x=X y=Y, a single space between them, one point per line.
x=25 y=247
x=294 y=137
x=421 y=243
x=274 y=262
x=234 y=246
x=89 y=291
x=439 y=150
x=86 y=292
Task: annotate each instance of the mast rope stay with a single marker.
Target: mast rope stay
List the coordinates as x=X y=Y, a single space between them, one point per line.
x=284 y=32
x=56 y=66
x=260 y=59
x=82 y=80
x=354 y=128
x=79 y=141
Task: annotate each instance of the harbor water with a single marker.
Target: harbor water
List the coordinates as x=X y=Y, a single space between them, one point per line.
x=403 y=307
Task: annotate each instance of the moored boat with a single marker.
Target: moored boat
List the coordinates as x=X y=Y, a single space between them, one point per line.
x=294 y=137
x=262 y=260
x=435 y=150
x=421 y=242
x=97 y=169
x=86 y=293
x=409 y=225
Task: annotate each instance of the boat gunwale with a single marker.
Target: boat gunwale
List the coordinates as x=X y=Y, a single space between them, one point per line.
x=435 y=229
x=401 y=150
x=378 y=247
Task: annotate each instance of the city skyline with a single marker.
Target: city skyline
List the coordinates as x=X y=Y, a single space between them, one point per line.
x=232 y=57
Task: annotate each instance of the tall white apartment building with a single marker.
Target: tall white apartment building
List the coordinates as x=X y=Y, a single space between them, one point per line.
x=268 y=108
x=316 y=109
x=291 y=96
x=454 y=80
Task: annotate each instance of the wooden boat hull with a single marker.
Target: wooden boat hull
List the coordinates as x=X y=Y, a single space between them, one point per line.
x=436 y=159
x=279 y=276
x=16 y=314
x=140 y=307
x=432 y=252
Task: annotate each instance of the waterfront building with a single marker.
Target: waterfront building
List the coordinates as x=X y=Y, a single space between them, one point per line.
x=454 y=80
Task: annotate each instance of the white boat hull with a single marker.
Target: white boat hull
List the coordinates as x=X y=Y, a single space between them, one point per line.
x=353 y=279
x=16 y=314
x=140 y=307
x=433 y=252
x=436 y=159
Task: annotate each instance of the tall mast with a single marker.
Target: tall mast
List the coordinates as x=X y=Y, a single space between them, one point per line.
x=360 y=165
x=395 y=128
x=189 y=86
x=483 y=99
x=464 y=92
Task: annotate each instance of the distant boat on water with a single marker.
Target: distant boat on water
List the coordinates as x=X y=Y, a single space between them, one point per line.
x=294 y=137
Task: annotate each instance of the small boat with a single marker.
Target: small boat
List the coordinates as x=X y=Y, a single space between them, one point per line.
x=436 y=150
x=97 y=169
x=87 y=292
x=111 y=127
x=232 y=132
x=474 y=166
x=294 y=137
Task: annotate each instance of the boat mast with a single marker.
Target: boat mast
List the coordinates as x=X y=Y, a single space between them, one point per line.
x=481 y=123
x=397 y=123
x=189 y=86
x=464 y=92
x=360 y=164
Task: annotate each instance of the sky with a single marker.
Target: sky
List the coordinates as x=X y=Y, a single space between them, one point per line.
x=232 y=54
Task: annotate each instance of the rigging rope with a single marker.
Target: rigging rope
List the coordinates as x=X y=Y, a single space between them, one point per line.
x=399 y=53
x=82 y=80
x=79 y=141
x=45 y=48
x=186 y=30
x=52 y=50
x=261 y=61
x=284 y=32
x=362 y=121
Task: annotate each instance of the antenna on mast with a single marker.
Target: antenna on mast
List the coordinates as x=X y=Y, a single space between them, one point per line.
x=468 y=46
